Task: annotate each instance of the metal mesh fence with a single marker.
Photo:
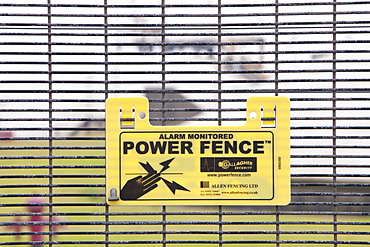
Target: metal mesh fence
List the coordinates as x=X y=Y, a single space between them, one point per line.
x=197 y=62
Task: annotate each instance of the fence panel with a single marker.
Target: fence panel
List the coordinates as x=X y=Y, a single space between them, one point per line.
x=197 y=62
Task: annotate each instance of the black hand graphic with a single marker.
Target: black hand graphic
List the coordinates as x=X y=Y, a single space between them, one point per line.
x=139 y=186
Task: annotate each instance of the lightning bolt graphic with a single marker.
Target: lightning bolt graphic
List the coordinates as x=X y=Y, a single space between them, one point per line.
x=166 y=164
x=148 y=168
x=174 y=186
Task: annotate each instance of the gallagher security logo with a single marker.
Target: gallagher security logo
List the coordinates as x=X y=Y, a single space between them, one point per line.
x=220 y=164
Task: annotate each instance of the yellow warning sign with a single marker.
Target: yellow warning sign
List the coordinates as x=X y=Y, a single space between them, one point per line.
x=219 y=165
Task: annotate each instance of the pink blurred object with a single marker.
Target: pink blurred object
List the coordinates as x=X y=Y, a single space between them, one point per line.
x=36 y=218
x=6 y=134
x=36 y=208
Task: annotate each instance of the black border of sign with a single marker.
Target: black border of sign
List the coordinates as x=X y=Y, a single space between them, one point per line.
x=167 y=131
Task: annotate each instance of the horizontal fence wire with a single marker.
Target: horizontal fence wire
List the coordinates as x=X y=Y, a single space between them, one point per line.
x=197 y=63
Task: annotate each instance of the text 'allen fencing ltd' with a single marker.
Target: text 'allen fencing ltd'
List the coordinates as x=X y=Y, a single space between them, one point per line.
x=70 y=174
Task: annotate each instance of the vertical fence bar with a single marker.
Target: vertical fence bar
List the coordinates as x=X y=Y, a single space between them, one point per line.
x=277 y=219
x=334 y=55
x=106 y=79
x=219 y=96
x=276 y=47
x=163 y=50
x=219 y=60
x=50 y=106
